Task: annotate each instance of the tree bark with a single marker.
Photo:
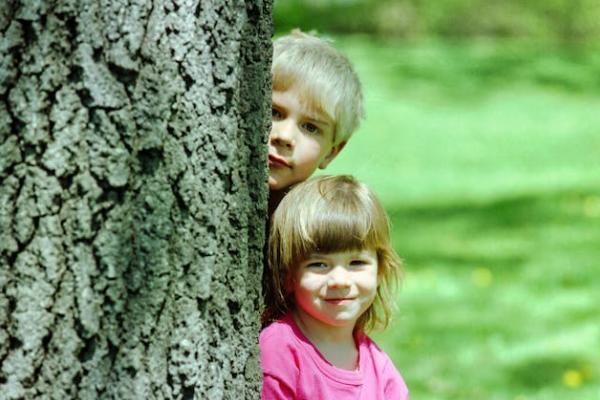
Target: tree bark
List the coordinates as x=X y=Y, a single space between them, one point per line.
x=133 y=197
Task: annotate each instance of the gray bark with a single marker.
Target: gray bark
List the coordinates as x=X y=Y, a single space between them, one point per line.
x=133 y=197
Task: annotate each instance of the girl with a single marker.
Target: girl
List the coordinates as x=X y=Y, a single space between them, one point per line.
x=333 y=267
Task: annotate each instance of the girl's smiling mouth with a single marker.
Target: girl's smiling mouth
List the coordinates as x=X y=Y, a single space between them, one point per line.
x=339 y=300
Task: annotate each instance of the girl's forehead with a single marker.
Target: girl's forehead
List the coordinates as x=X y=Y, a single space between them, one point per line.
x=342 y=252
x=346 y=254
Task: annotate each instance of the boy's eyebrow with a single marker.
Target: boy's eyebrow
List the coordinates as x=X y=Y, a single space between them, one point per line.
x=318 y=116
x=318 y=120
x=316 y=113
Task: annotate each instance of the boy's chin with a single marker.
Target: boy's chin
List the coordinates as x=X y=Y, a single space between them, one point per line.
x=276 y=185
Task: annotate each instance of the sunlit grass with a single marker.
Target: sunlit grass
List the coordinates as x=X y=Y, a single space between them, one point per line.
x=501 y=297
x=493 y=189
x=457 y=135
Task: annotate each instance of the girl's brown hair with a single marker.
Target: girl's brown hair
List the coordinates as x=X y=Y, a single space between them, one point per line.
x=329 y=214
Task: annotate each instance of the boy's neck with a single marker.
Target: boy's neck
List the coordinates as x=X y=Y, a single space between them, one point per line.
x=275 y=197
x=335 y=343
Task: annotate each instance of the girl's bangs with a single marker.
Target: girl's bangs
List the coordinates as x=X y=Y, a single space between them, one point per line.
x=336 y=230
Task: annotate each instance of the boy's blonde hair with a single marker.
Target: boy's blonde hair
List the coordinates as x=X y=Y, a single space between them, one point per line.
x=323 y=75
x=329 y=214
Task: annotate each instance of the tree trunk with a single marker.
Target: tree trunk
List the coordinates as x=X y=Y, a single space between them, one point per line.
x=133 y=197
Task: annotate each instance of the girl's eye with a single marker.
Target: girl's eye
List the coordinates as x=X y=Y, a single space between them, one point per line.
x=317 y=265
x=357 y=263
x=311 y=128
x=276 y=114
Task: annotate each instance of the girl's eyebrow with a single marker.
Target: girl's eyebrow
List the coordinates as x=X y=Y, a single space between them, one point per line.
x=277 y=105
x=314 y=255
x=357 y=253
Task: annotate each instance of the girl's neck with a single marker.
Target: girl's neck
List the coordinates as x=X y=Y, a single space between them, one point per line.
x=319 y=331
x=336 y=344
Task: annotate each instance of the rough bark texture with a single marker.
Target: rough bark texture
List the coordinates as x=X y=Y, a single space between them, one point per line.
x=133 y=197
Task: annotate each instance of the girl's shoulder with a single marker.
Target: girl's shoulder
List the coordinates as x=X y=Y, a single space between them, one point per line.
x=383 y=367
x=280 y=352
x=278 y=334
x=368 y=348
x=364 y=341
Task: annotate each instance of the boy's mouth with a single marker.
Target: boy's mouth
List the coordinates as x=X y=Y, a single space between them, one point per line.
x=278 y=162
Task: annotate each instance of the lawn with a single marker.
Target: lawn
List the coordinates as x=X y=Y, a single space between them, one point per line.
x=487 y=157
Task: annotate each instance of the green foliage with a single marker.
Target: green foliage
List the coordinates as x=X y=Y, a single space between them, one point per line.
x=486 y=157
x=556 y=20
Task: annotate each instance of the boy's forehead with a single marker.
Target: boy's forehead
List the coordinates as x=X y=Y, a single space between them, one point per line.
x=316 y=113
x=312 y=106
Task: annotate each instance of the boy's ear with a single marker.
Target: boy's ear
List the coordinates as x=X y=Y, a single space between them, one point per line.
x=335 y=150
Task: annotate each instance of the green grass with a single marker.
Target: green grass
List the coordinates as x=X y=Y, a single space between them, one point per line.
x=491 y=177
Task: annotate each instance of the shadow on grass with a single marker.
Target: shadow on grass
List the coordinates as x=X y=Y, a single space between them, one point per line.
x=544 y=371
x=497 y=235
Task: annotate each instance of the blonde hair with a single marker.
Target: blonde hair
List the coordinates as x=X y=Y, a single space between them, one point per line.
x=323 y=75
x=328 y=214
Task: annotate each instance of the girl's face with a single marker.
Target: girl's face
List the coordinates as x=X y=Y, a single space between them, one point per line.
x=335 y=289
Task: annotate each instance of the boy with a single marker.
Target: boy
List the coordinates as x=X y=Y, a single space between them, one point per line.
x=317 y=105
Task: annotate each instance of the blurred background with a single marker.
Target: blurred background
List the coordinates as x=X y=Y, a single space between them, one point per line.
x=482 y=138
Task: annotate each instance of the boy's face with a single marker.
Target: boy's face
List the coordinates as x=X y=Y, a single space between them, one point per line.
x=335 y=289
x=300 y=140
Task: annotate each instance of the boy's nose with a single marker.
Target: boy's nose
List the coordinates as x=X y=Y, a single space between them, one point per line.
x=282 y=134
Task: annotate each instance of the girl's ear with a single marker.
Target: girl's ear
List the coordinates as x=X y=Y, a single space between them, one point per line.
x=289 y=284
x=381 y=263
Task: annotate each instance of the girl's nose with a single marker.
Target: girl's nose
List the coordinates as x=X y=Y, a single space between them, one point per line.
x=338 y=277
x=282 y=134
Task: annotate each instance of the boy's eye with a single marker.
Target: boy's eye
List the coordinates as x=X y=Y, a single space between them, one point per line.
x=316 y=265
x=357 y=263
x=311 y=128
x=276 y=114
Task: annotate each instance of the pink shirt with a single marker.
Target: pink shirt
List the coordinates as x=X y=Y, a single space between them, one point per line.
x=293 y=368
